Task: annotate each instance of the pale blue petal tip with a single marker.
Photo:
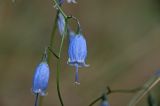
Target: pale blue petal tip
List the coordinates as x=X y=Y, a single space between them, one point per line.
x=40 y=92
x=77 y=83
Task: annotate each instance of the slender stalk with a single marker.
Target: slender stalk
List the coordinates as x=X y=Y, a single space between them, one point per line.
x=62 y=41
x=58 y=64
x=95 y=101
x=126 y=91
x=58 y=70
x=58 y=83
x=36 y=100
x=78 y=23
x=53 y=52
x=61 y=45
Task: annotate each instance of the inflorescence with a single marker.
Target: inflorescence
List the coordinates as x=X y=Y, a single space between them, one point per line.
x=77 y=54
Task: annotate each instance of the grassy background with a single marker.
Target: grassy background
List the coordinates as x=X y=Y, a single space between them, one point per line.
x=123 y=49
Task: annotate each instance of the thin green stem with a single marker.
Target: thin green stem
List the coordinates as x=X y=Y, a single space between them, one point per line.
x=78 y=23
x=36 y=100
x=61 y=45
x=58 y=64
x=58 y=83
x=53 y=52
x=126 y=91
x=95 y=101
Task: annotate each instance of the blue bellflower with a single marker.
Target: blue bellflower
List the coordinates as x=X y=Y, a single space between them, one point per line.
x=61 y=23
x=40 y=79
x=77 y=52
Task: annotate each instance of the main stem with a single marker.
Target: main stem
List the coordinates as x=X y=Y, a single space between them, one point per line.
x=61 y=45
x=58 y=64
x=58 y=83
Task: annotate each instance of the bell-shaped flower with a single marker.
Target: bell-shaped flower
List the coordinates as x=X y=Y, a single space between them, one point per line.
x=77 y=52
x=41 y=78
x=61 y=23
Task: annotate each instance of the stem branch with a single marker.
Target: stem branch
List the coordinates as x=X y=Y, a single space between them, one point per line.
x=109 y=91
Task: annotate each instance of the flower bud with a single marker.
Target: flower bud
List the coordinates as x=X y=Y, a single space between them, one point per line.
x=61 y=23
x=40 y=79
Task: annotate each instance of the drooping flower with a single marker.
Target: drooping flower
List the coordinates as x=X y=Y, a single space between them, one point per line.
x=104 y=101
x=77 y=52
x=41 y=77
x=61 y=23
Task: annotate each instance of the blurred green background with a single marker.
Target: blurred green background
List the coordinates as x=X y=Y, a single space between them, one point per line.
x=123 y=38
